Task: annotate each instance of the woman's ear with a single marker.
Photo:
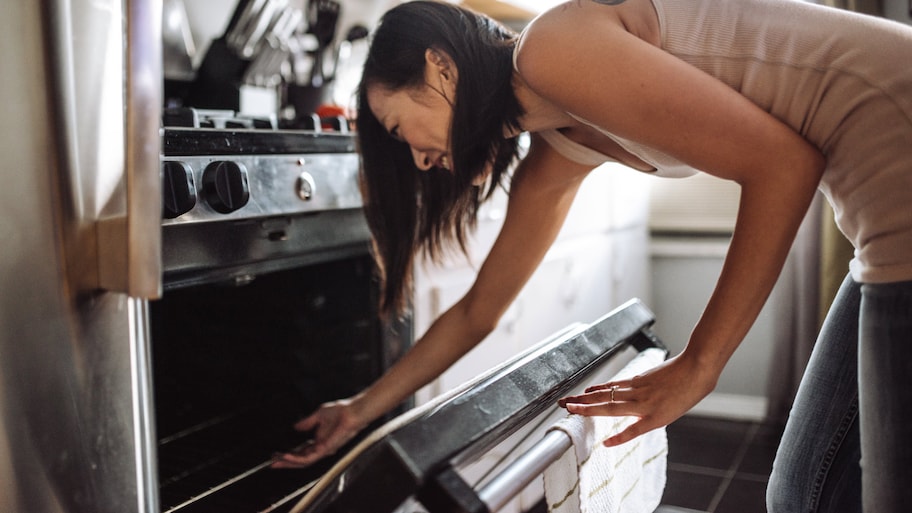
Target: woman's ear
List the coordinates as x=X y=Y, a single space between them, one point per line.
x=440 y=63
x=440 y=74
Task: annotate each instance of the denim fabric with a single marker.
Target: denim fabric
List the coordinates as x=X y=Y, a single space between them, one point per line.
x=885 y=361
x=819 y=466
x=816 y=467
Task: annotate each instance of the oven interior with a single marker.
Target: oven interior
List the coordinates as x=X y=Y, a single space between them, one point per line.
x=236 y=362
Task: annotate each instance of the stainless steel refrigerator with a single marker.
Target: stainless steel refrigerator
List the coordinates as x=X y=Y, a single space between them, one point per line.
x=80 y=210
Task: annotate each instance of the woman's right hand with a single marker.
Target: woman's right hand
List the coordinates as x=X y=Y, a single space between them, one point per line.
x=335 y=424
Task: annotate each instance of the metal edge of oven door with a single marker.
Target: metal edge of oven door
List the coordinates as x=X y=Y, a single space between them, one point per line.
x=75 y=427
x=423 y=444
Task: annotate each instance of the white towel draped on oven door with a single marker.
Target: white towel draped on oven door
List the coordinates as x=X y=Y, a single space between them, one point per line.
x=592 y=478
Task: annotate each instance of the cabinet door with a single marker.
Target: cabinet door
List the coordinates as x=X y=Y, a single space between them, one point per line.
x=573 y=284
x=630 y=270
x=441 y=290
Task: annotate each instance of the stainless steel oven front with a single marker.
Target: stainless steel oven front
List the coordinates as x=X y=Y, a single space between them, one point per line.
x=268 y=309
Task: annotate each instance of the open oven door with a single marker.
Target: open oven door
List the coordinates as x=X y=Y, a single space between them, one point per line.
x=417 y=455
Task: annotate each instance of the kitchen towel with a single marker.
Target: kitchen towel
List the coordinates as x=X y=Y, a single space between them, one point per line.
x=592 y=478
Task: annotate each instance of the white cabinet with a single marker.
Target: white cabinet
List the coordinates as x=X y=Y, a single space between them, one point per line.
x=575 y=283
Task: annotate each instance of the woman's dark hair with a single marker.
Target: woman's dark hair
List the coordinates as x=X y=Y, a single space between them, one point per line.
x=408 y=210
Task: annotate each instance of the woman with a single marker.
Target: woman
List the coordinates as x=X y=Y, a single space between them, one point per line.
x=781 y=96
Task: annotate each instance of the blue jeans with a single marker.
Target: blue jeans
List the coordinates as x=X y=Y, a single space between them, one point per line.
x=848 y=439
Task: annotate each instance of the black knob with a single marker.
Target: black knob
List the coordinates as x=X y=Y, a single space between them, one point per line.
x=177 y=188
x=225 y=186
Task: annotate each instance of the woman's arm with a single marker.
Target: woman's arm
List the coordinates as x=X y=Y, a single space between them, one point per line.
x=541 y=193
x=639 y=92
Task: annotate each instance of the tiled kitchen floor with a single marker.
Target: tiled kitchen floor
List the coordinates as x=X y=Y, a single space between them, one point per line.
x=718 y=466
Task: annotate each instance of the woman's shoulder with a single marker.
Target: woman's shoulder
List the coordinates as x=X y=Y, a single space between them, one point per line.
x=560 y=33
x=546 y=27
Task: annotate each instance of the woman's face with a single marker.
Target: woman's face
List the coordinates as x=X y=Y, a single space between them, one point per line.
x=421 y=117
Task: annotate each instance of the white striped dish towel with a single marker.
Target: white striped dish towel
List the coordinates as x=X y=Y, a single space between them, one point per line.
x=592 y=478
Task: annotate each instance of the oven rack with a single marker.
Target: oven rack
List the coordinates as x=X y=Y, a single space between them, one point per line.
x=416 y=455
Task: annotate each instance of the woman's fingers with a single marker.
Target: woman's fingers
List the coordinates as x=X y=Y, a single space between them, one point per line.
x=333 y=425
x=632 y=431
x=605 y=408
x=311 y=452
x=613 y=392
x=308 y=423
x=302 y=456
x=656 y=397
x=600 y=403
x=626 y=383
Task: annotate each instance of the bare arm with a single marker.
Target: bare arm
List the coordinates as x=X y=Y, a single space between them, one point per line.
x=635 y=90
x=541 y=193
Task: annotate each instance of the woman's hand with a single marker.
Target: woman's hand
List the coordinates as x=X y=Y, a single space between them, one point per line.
x=657 y=397
x=335 y=423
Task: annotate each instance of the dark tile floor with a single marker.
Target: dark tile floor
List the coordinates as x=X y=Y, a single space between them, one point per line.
x=718 y=466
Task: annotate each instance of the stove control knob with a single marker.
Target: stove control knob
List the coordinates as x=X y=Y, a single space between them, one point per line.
x=178 y=189
x=225 y=186
x=306 y=186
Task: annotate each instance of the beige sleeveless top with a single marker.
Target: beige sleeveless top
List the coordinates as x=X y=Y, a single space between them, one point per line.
x=842 y=80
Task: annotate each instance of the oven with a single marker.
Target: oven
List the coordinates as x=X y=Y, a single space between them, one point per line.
x=269 y=304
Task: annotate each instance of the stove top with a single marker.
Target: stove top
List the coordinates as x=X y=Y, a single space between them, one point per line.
x=221 y=166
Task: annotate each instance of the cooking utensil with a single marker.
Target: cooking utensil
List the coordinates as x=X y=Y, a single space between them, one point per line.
x=268 y=66
x=343 y=49
x=323 y=18
x=178 y=49
x=255 y=21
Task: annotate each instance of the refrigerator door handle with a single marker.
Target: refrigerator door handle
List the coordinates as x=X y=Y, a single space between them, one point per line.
x=129 y=247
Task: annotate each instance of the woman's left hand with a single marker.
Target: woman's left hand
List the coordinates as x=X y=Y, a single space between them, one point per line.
x=334 y=424
x=657 y=397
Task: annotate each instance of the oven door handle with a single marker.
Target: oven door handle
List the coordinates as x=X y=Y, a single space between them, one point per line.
x=531 y=465
x=129 y=244
x=448 y=491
